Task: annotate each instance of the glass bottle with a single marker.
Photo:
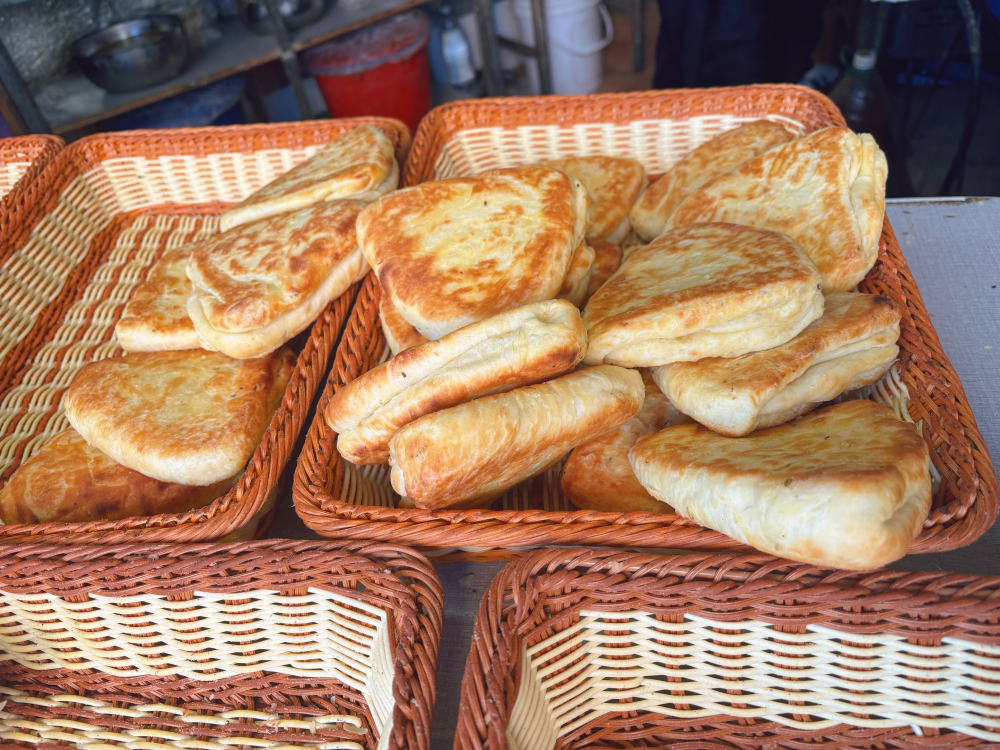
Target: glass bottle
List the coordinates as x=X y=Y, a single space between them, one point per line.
x=862 y=96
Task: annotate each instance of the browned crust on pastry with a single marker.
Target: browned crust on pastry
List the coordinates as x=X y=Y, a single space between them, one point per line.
x=607 y=260
x=696 y=279
x=356 y=162
x=722 y=154
x=485 y=446
x=399 y=334
x=597 y=474
x=577 y=280
x=251 y=275
x=847 y=486
x=526 y=345
x=613 y=183
x=825 y=190
x=156 y=317
x=727 y=394
x=457 y=251
x=68 y=481
x=191 y=417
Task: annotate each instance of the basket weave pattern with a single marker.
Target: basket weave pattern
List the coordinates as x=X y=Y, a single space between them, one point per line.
x=267 y=644
x=342 y=501
x=111 y=206
x=22 y=159
x=596 y=648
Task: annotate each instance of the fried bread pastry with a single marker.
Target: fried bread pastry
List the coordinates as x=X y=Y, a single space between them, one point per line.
x=852 y=345
x=709 y=290
x=467 y=455
x=359 y=164
x=846 y=486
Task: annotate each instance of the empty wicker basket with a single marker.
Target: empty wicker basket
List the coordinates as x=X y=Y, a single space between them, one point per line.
x=595 y=648
x=275 y=645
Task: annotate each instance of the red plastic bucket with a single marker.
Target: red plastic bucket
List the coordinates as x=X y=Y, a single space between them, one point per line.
x=381 y=70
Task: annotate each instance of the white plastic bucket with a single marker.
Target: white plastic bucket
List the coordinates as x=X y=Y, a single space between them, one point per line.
x=576 y=39
x=505 y=25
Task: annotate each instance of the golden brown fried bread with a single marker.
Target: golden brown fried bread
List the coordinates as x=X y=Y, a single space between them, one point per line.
x=710 y=290
x=359 y=164
x=597 y=474
x=156 y=318
x=399 y=334
x=630 y=243
x=613 y=183
x=722 y=154
x=852 y=345
x=847 y=486
x=526 y=345
x=607 y=260
x=577 y=280
x=191 y=417
x=258 y=285
x=825 y=190
x=467 y=455
x=458 y=251
x=68 y=481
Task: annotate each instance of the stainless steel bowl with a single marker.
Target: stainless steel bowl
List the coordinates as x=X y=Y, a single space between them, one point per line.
x=134 y=54
x=297 y=14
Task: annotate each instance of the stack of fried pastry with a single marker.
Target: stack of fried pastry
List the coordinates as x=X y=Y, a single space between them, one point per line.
x=741 y=305
x=709 y=351
x=482 y=279
x=170 y=427
x=466 y=417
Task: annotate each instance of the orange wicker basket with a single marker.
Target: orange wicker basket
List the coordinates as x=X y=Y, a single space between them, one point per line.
x=578 y=648
x=86 y=233
x=339 y=500
x=275 y=645
x=22 y=159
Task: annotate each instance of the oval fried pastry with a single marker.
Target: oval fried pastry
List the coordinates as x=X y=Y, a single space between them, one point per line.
x=191 y=417
x=467 y=455
x=526 y=345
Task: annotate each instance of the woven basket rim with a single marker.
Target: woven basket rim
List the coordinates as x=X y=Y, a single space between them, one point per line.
x=507 y=110
x=40 y=150
x=244 y=501
x=30 y=569
x=544 y=592
x=492 y=534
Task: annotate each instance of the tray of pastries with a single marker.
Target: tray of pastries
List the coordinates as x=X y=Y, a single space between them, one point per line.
x=748 y=365
x=175 y=300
